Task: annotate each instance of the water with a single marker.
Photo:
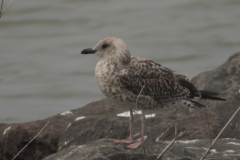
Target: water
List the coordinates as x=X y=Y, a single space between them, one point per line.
x=186 y=36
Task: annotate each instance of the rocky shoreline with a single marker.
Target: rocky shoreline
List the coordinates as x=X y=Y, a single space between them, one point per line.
x=88 y=132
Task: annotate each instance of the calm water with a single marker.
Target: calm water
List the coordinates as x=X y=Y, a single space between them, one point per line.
x=186 y=36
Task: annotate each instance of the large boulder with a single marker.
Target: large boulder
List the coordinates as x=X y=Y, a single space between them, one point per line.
x=90 y=125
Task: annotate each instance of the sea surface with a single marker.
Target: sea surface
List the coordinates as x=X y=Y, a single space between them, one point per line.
x=186 y=36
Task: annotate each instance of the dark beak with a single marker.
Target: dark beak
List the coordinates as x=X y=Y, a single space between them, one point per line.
x=88 y=51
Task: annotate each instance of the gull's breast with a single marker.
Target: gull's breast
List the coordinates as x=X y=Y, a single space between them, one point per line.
x=108 y=79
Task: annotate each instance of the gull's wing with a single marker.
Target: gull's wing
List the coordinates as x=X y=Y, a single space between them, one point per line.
x=158 y=82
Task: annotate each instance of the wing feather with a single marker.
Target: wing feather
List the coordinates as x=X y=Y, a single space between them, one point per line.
x=158 y=82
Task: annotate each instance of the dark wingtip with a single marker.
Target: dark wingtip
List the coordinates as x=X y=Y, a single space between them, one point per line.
x=214 y=98
x=88 y=51
x=211 y=96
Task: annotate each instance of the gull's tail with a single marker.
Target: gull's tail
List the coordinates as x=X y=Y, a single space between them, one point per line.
x=206 y=95
x=210 y=95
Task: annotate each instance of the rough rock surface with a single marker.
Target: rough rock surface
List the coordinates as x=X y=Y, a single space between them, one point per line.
x=225 y=80
x=98 y=120
x=105 y=149
x=14 y=137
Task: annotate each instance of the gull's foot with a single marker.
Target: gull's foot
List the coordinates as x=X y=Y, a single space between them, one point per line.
x=134 y=145
x=126 y=141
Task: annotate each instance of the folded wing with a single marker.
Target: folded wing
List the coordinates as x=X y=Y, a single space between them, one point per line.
x=154 y=80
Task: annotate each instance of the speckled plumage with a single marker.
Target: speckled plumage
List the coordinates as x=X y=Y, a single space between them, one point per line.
x=122 y=76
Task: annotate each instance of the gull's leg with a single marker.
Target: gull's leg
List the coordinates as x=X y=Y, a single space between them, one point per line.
x=139 y=143
x=130 y=139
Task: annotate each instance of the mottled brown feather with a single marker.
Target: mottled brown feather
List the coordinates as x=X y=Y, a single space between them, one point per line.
x=159 y=82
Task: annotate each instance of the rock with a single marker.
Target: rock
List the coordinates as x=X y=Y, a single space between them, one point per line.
x=225 y=80
x=105 y=149
x=15 y=136
x=76 y=132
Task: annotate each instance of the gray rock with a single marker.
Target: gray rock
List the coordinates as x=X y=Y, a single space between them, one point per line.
x=105 y=149
x=225 y=80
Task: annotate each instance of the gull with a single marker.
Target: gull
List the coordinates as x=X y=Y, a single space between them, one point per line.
x=128 y=78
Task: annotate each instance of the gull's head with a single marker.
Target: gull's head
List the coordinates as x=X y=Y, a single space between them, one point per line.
x=110 y=47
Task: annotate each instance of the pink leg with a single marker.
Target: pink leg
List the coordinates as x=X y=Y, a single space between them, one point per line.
x=130 y=139
x=139 y=143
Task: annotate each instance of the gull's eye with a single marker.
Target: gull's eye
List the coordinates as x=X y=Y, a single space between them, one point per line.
x=105 y=46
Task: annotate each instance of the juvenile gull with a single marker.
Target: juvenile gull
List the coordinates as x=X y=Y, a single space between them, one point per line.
x=128 y=78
